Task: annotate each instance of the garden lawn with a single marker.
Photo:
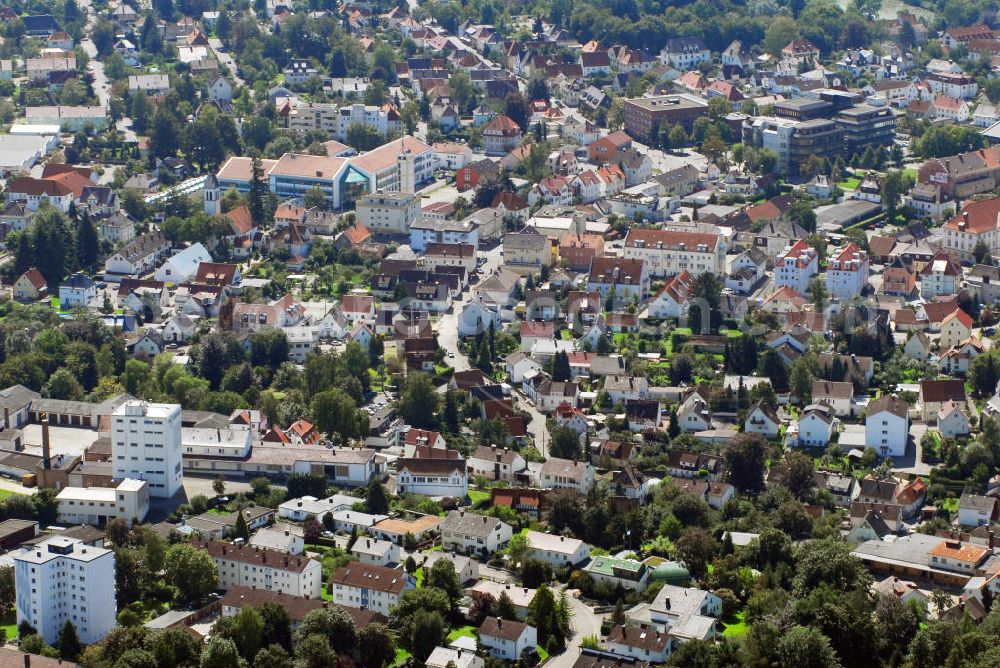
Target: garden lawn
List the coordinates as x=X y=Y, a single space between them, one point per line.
x=459 y=631
x=737 y=628
x=4 y=493
x=476 y=496
x=851 y=183
x=9 y=625
x=401 y=656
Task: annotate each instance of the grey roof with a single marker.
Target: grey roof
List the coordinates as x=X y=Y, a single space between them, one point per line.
x=977 y=502
x=470 y=523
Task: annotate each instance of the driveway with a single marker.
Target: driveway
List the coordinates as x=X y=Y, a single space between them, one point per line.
x=911 y=462
x=584 y=622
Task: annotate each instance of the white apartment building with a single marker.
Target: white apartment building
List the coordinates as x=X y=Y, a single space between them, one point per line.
x=795 y=266
x=381 y=120
x=146 y=445
x=65 y=580
x=295 y=174
x=390 y=213
x=669 y=252
x=245 y=566
x=128 y=501
x=335 y=120
x=847 y=273
x=557 y=550
x=369 y=587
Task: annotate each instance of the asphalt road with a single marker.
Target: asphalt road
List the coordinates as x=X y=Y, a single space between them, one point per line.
x=225 y=59
x=583 y=623
x=447 y=332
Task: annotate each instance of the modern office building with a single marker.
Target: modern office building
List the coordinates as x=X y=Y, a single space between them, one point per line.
x=146 y=445
x=65 y=580
x=864 y=126
x=794 y=141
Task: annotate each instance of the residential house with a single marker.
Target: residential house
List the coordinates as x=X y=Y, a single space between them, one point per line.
x=506 y=639
x=762 y=419
x=29 y=286
x=796 y=266
x=815 y=428
x=887 y=426
x=474 y=535
x=370 y=587
x=559 y=473
x=433 y=477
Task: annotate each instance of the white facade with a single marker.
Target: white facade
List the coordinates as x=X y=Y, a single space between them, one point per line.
x=376 y=552
x=391 y=213
x=557 y=550
x=244 y=566
x=796 y=266
x=474 y=534
x=99 y=505
x=448 y=481
x=887 y=433
x=847 y=273
x=146 y=445
x=65 y=580
x=372 y=588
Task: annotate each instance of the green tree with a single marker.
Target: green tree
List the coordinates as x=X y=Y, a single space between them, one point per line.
x=419 y=402
x=70 y=646
x=746 y=463
x=427 y=631
x=564 y=443
x=87 y=244
x=314 y=198
x=258 y=192
x=376 y=646
x=443 y=576
x=376 y=498
x=244 y=629
x=981 y=253
x=63 y=384
x=7 y=592
x=542 y=615
x=331 y=623
x=462 y=92
x=828 y=562
x=221 y=652
x=335 y=413
x=895 y=184
x=780 y=31
x=807 y=648
x=191 y=571
x=273 y=656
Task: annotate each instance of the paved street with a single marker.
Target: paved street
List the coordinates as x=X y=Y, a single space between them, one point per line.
x=227 y=61
x=583 y=623
x=447 y=330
